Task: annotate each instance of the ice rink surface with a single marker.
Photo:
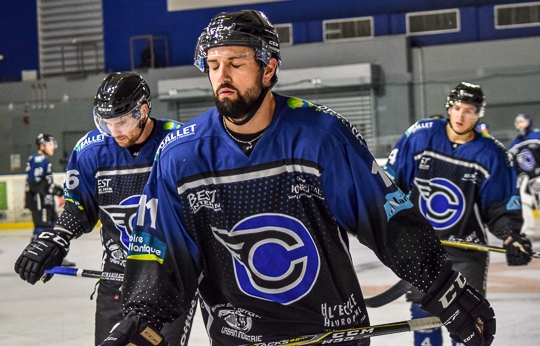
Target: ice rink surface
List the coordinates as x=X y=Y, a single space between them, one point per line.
x=61 y=313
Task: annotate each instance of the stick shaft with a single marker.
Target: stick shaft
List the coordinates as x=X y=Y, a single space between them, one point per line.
x=479 y=247
x=85 y=273
x=391 y=294
x=347 y=335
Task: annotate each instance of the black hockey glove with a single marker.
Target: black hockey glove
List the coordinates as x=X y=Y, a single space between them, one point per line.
x=518 y=250
x=463 y=311
x=46 y=251
x=131 y=331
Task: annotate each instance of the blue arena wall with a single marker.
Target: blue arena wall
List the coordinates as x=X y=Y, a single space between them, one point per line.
x=124 y=19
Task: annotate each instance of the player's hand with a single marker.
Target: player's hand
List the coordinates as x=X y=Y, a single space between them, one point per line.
x=130 y=331
x=463 y=310
x=518 y=250
x=44 y=252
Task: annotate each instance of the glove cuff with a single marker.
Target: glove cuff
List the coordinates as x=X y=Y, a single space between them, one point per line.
x=137 y=333
x=443 y=293
x=60 y=238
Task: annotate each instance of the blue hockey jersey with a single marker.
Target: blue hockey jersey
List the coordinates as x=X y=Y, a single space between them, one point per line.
x=264 y=237
x=458 y=189
x=40 y=188
x=104 y=182
x=525 y=152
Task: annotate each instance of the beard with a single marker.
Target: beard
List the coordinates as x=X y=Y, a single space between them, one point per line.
x=239 y=108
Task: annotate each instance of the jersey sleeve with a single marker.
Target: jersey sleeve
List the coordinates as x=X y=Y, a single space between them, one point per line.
x=400 y=165
x=369 y=205
x=81 y=211
x=163 y=262
x=500 y=201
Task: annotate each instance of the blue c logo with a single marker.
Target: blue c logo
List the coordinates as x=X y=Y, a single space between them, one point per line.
x=274 y=257
x=442 y=203
x=526 y=160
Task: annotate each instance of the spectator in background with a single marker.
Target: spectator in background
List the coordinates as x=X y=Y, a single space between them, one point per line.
x=525 y=151
x=41 y=189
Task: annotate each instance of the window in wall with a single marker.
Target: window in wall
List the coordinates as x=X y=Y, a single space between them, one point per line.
x=517 y=15
x=284 y=32
x=347 y=29
x=433 y=22
x=70 y=36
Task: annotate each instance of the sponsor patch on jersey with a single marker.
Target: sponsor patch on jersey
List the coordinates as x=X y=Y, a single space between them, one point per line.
x=203 y=199
x=144 y=247
x=295 y=102
x=303 y=189
x=88 y=140
x=171 y=125
x=395 y=202
x=173 y=136
x=274 y=257
x=514 y=203
x=441 y=202
x=418 y=126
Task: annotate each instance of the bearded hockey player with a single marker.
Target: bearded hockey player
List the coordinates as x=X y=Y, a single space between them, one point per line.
x=106 y=173
x=251 y=203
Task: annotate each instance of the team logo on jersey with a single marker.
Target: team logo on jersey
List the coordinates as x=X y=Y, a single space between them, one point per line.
x=441 y=202
x=525 y=160
x=274 y=257
x=123 y=216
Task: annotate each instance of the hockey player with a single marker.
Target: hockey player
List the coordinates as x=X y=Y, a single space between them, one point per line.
x=525 y=151
x=40 y=188
x=106 y=173
x=460 y=181
x=251 y=202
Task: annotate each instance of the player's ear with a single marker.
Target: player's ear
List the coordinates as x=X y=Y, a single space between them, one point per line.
x=270 y=71
x=144 y=109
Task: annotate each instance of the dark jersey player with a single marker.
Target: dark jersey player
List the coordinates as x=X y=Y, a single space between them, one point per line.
x=251 y=203
x=106 y=173
x=525 y=151
x=461 y=181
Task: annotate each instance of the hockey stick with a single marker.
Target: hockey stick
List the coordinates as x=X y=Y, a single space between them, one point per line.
x=347 y=335
x=391 y=294
x=479 y=247
x=85 y=273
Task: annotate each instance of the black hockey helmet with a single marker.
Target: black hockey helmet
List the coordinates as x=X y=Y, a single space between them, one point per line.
x=44 y=138
x=468 y=93
x=248 y=28
x=120 y=94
